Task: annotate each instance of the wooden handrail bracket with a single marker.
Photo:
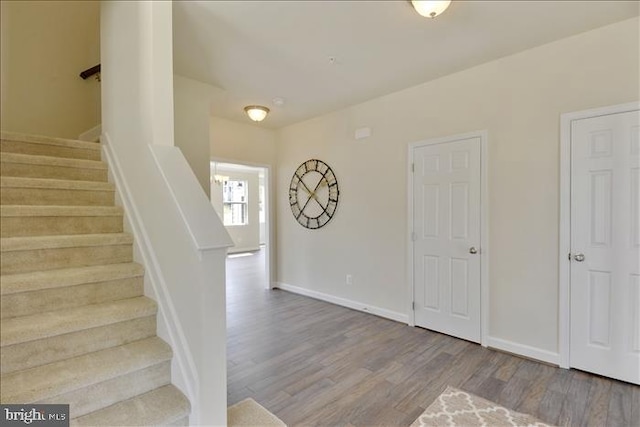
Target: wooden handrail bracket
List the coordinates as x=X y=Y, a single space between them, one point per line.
x=90 y=72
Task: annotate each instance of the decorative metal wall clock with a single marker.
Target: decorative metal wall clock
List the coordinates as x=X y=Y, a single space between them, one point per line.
x=313 y=194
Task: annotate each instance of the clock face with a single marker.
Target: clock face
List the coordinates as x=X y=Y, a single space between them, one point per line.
x=313 y=194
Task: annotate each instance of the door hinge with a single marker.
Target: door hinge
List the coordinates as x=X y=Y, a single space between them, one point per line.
x=569 y=256
x=413 y=167
x=414 y=237
x=413 y=306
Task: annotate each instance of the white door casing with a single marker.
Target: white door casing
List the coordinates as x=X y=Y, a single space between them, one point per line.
x=605 y=243
x=446 y=232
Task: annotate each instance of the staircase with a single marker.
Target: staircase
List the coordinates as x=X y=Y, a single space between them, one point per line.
x=75 y=326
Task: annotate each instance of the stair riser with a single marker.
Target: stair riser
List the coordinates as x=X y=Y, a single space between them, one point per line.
x=48 y=259
x=27 y=170
x=26 y=303
x=40 y=352
x=106 y=393
x=46 y=196
x=21 y=147
x=59 y=225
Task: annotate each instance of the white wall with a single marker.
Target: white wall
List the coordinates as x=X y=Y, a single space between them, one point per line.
x=518 y=99
x=245 y=237
x=178 y=236
x=45 y=46
x=192 y=109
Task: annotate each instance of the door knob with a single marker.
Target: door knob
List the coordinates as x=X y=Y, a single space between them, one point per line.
x=579 y=257
x=473 y=250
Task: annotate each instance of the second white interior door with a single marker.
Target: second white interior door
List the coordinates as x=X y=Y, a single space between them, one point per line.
x=446 y=258
x=605 y=245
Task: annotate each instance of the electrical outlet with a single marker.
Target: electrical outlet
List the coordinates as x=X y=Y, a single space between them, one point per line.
x=349 y=279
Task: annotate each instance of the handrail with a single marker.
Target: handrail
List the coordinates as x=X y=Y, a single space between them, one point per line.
x=90 y=72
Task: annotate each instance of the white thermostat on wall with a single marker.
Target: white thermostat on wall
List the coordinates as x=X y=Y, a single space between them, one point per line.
x=362 y=133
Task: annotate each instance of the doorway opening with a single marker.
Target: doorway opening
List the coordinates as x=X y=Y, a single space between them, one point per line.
x=240 y=196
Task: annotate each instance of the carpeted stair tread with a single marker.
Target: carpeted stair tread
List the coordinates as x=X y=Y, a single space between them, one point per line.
x=58 y=184
x=76 y=326
x=32 y=159
x=85 y=400
x=53 y=323
x=19 y=190
x=8 y=244
x=35 y=211
x=50 y=220
x=39 y=280
x=48 y=140
x=43 y=166
x=46 y=146
x=40 y=352
x=51 y=147
x=52 y=252
x=162 y=406
x=46 y=381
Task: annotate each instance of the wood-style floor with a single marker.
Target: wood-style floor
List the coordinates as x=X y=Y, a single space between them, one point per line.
x=314 y=363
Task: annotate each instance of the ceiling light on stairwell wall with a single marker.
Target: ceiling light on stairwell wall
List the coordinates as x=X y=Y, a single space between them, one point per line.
x=257 y=113
x=430 y=8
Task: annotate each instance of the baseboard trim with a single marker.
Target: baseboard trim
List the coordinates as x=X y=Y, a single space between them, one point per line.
x=355 y=305
x=92 y=135
x=523 y=350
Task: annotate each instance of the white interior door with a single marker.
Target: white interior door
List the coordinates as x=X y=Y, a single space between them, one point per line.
x=605 y=242
x=446 y=227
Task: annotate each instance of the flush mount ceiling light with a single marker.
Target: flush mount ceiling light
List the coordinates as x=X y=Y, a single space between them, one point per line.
x=430 y=8
x=257 y=113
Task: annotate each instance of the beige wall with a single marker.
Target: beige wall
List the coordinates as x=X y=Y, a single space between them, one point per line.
x=192 y=106
x=518 y=99
x=45 y=45
x=242 y=143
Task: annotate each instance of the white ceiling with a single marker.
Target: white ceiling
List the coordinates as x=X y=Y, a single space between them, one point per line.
x=254 y=51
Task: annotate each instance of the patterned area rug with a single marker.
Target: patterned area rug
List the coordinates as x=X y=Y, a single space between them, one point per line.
x=458 y=408
x=250 y=413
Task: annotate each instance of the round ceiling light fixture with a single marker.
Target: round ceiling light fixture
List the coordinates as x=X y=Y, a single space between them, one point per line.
x=430 y=8
x=257 y=113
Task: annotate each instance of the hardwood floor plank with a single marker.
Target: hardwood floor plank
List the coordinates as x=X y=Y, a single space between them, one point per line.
x=598 y=403
x=635 y=406
x=274 y=402
x=311 y=404
x=352 y=403
x=620 y=404
x=507 y=369
x=551 y=406
x=540 y=378
x=313 y=363
x=513 y=392
x=575 y=403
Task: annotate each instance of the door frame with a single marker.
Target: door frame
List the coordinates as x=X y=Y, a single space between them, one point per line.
x=564 y=244
x=484 y=225
x=269 y=207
